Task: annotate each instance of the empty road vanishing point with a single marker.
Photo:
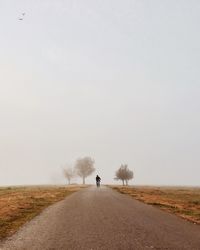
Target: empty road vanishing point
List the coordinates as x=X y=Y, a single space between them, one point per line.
x=104 y=219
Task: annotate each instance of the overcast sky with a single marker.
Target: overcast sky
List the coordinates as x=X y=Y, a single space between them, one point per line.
x=116 y=80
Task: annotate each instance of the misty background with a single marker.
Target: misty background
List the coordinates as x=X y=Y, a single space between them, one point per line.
x=111 y=79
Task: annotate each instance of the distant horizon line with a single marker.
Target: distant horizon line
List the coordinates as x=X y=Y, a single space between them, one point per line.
x=112 y=184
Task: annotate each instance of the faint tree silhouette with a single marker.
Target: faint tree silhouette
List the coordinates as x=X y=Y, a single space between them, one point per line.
x=69 y=173
x=124 y=174
x=84 y=167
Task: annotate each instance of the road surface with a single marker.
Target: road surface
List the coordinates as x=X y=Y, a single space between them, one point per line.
x=104 y=219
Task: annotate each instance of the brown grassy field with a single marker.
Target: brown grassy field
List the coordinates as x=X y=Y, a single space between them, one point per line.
x=20 y=204
x=182 y=201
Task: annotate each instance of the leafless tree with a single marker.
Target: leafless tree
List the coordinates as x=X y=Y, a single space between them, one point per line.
x=84 y=167
x=68 y=173
x=124 y=174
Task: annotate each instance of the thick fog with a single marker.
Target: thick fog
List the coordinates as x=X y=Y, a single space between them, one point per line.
x=115 y=80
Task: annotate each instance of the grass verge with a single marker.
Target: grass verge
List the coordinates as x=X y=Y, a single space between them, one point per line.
x=182 y=201
x=20 y=204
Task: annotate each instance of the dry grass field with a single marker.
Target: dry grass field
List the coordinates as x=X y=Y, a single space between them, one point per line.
x=182 y=201
x=20 y=204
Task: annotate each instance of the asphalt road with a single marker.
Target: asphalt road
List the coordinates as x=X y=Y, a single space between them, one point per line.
x=104 y=219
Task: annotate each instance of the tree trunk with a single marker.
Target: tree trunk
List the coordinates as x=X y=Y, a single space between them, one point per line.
x=126 y=182
x=123 y=182
x=84 y=180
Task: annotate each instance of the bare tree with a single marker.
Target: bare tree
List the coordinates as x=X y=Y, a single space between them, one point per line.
x=84 y=167
x=68 y=173
x=124 y=174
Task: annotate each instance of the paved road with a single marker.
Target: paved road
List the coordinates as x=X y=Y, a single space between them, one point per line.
x=104 y=219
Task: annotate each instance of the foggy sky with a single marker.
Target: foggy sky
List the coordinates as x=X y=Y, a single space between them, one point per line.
x=111 y=79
